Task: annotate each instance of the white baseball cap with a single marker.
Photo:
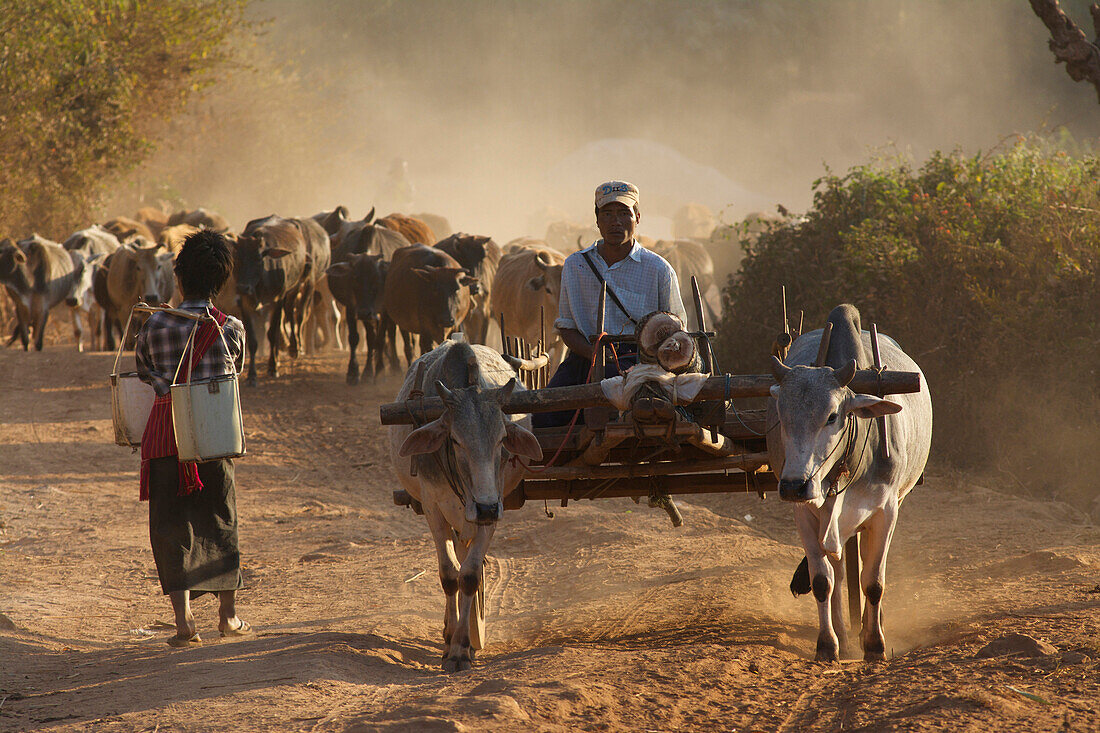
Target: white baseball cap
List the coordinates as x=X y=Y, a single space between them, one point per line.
x=621 y=191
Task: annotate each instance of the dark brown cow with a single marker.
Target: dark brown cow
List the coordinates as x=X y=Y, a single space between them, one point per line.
x=480 y=256
x=358 y=284
x=278 y=262
x=427 y=293
x=414 y=230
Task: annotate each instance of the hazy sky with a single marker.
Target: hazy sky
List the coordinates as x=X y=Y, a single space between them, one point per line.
x=506 y=109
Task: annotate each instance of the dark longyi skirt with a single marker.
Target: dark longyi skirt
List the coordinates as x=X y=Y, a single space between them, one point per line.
x=194 y=537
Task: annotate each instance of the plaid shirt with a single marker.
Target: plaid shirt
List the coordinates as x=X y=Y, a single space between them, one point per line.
x=643 y=280
x=163 y=338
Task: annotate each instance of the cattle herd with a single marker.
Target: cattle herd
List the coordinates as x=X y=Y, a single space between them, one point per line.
x=299 y=282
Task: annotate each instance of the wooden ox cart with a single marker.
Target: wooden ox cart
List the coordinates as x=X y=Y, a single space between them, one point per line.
x=656 y=450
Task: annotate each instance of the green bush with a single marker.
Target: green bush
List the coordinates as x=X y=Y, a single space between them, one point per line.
x=84 y=85
x=985 y=269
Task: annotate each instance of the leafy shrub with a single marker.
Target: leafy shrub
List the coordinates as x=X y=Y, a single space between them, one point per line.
x=986 y=269
x=83 y=85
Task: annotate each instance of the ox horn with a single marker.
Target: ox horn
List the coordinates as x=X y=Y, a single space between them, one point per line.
x=845 y=373
x=542 y=259
x=370 y=216
x=526 y=365
x=444 y=394
x=779 y=370
x=505 y=392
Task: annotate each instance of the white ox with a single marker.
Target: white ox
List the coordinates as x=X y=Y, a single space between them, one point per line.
x=462 y=495
x=834 y=469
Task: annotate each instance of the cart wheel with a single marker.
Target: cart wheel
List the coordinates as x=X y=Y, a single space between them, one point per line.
x=477 y=609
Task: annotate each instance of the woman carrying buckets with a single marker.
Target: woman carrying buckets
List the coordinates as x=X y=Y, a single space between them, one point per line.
x=192 y=506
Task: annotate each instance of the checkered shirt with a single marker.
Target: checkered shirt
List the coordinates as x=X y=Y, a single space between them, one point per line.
x=161 y=341
x=643 y=280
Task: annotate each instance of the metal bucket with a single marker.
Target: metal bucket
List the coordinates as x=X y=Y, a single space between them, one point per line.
x=206 y=414
x=131 y=400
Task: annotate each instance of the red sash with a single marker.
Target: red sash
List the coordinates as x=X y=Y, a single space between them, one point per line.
x=159 y=438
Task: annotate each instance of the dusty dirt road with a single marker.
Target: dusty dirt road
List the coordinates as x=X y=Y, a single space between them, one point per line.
x=601 y=618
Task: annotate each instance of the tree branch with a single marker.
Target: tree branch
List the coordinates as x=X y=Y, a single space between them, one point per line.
x=1068 y=42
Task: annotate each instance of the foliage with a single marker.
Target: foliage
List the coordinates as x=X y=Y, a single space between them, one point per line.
x=84 y=85
x=986 y=269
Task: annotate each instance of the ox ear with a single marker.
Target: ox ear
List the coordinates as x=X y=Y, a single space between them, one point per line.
x=865 y=405
x=276 y=253
x=20 y=255
x=845 y=373
x=426 y=439
x=779 y=371
x=520 y=441
x=424 y=273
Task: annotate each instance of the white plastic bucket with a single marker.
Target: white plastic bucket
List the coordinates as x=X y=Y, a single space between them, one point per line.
x=206 y=414
x=131 y=403
x=131 y=400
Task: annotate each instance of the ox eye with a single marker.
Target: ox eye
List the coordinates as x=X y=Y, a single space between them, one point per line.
x=831 y=420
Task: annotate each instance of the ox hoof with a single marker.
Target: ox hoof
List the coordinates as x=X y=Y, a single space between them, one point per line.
x=827 y=652
x=456 y=664
x=870 y=656
x=874 y=651
x=353 y=378
x=251 y=381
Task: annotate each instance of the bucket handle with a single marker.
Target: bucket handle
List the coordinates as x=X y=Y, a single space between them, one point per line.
x=125 y=333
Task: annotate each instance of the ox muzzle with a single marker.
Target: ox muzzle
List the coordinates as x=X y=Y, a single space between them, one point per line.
x=487 y=513
x=796 y=490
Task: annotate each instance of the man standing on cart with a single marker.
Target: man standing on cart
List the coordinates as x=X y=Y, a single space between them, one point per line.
x=638 y=281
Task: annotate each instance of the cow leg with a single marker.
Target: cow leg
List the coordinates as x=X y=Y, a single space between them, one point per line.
x=408 y=339
x=40 y=329
x=353 y=346
x=332 y=320
x=822 y=583
x=389 y=344
x=837 y=607
x=274 y=331
x=459 y=654
x=426 y=344
x=448 y=570
x=78 y=330
x=878 y=532
x=375 y=343
x=252 y=322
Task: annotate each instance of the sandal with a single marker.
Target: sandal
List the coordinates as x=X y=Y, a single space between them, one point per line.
x=245 y=629
x=180 y=642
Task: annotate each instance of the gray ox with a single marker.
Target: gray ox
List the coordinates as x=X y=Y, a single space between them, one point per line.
x=463 y=472
x=830 y=462
x=38 y=275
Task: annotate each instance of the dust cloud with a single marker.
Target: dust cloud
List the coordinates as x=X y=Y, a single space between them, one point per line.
x=507 y=114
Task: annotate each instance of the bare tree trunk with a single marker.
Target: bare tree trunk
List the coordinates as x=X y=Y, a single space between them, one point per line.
x=1080 y=55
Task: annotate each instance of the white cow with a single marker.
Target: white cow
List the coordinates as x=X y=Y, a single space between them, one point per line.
x=464 y=468
x=828 y=455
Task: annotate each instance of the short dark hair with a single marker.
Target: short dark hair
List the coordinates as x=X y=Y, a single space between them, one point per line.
x=204 y=263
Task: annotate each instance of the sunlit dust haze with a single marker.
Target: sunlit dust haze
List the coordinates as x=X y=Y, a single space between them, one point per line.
x=507 y=114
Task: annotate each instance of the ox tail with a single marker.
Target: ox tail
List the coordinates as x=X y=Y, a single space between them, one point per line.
x=800 y=582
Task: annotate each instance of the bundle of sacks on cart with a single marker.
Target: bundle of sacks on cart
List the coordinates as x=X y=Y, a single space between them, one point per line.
x=667 y=358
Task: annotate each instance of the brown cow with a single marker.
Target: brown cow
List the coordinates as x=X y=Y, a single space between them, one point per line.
x=689 y=258
x=137 y=271
x=414 y=230
x=172 y=236
x=438 y=224
x=153 y=218
x=125 y=229
x=200 y=217
x=480 y=256
x=428 y=293
x=529 y=278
